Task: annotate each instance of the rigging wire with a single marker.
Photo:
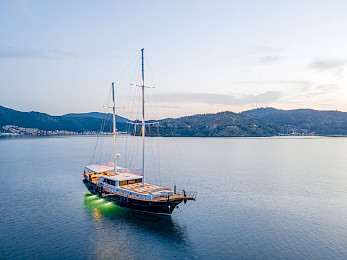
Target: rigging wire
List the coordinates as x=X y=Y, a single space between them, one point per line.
x=105 y=119
x=99 y=137
x=132 y=140
x=133 y=155
x=161 y=103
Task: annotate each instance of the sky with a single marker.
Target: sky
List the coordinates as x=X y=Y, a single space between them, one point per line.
x=201 y=56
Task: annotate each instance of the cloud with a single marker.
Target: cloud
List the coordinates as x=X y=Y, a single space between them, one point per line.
x=296 y=82
x=276 y=82
x=307 y=93
x=170 y=107
x=327 y=87
x=268 y=97
x=269 y=59
x=265 y=49
x=327 y=64
x=8 y=53
x=222 y=99
x=319 y=90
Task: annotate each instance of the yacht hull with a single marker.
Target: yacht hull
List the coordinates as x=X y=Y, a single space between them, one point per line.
x=149 y=206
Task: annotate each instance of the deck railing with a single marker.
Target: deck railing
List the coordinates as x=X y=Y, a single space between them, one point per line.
x=188 y=194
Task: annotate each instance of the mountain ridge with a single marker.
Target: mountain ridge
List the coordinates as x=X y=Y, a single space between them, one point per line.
x=99 y=115
x=321 y=122
x=256 y=122
x=222 y=124
x=47 y=122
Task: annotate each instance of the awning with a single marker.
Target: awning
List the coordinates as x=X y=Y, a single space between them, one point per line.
x=109 y=167
x=99 y=168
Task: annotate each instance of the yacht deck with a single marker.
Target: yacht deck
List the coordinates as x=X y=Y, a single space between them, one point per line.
x=138 y=188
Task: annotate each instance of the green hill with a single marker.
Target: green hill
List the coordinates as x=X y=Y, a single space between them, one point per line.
x=220 y=124
x=102 y=116
x=302 y=120
x=46 y=122
x=256 y=122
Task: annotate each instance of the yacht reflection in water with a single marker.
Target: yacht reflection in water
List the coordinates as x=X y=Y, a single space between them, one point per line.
x=119 y=229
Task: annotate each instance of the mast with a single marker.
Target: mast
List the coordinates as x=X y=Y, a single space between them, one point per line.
x=114 y=130
x=143 y=120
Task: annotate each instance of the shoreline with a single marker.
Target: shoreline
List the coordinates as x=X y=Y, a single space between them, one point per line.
x=106 y=135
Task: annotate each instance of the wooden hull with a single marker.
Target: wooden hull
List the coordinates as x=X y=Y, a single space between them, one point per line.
x=150 y=206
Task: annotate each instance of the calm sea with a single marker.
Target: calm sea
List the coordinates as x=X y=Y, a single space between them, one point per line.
x=258 y=198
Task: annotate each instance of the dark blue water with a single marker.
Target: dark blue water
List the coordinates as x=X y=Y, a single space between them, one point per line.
x=257 y=198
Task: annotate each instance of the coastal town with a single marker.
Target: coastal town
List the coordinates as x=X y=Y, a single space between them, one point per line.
x=13 y=130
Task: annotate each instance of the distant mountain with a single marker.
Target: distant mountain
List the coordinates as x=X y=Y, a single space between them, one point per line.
x=220 y=124
x=102 y=116
x=256 y=122
x=46 y=122
x=302 y=120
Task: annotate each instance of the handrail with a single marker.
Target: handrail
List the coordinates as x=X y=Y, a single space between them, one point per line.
x=187 y=194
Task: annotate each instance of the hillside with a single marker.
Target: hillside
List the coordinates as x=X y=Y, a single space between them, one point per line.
x=221 y=124
x=98 y=115
x=256 y=122
x=46 y=122
x=302 y=120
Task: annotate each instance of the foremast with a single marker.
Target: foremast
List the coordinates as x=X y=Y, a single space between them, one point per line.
x=114 y=131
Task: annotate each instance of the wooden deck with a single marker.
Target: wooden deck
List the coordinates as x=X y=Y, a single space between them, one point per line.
x=173 y=197
x=138 y=188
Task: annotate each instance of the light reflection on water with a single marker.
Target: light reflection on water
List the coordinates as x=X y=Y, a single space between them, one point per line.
x=117 y=230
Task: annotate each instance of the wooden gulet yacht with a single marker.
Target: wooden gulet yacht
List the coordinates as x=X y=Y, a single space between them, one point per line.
x=127 y=187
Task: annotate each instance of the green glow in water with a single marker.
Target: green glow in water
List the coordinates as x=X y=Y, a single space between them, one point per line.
x=106 y=208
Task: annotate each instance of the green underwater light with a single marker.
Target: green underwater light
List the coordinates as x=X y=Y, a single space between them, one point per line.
x=107 y=208
x=92 y=197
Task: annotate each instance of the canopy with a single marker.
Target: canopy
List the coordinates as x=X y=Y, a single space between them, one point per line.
x=99 y=168
x=109 y=167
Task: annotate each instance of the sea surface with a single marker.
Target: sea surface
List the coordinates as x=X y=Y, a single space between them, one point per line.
x=258 y=198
